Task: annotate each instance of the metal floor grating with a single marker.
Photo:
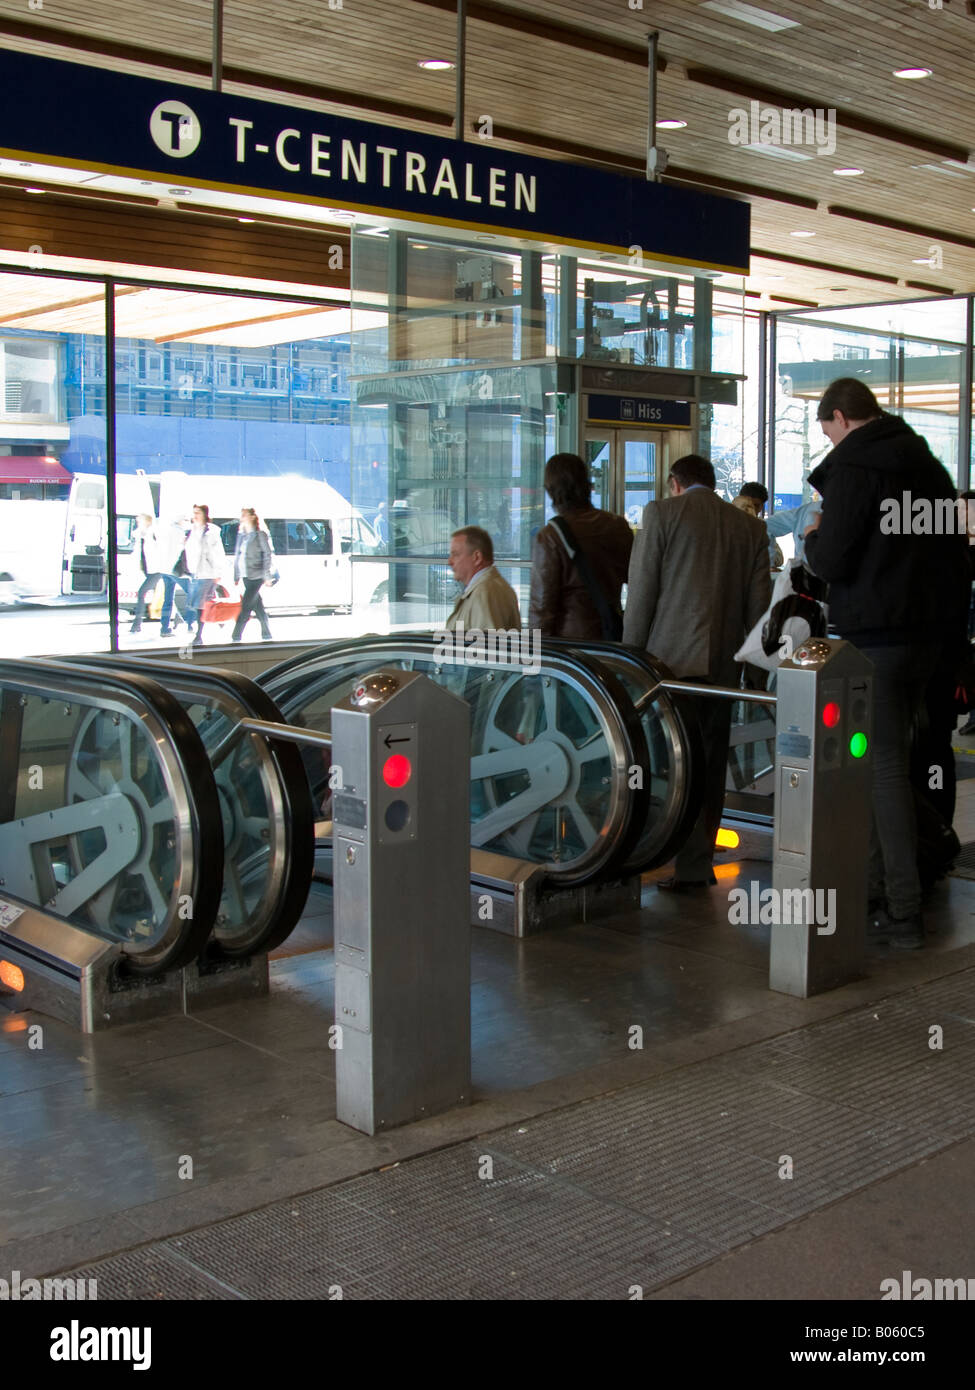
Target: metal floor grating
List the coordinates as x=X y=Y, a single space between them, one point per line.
x=637 y=1187
x=964 y=865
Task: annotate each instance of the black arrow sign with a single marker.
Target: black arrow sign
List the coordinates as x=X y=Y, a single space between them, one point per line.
x=389 y=739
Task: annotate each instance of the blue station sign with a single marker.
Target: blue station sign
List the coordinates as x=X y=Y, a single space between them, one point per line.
x=639 y=410
x=87 y=118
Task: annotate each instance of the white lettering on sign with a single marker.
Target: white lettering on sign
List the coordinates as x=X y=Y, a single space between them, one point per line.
x=493 y=186
x=320 y=156
x=283 y=160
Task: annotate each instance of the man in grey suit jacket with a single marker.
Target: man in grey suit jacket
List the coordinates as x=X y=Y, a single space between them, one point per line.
x=699 y=581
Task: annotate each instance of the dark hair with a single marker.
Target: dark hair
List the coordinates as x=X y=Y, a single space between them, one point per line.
x=756 y=490
x=477 y=539
x=202 y=507
x=567 y=481
x=691 y=469
x=851 y=398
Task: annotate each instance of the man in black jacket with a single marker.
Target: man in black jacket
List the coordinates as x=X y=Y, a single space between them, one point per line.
x=895 y=591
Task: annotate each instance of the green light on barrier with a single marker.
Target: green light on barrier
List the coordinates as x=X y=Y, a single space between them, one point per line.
x=858 y=745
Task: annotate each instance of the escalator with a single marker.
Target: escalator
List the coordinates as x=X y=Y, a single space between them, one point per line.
x=109 y=814
x=265 y=813
x=565 y=774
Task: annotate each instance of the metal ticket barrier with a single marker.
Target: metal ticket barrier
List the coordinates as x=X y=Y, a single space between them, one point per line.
x=817 y=906
x=824 y=716
x=401 y=746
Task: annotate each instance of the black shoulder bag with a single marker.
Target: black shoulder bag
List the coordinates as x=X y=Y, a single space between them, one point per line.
x=610 y=616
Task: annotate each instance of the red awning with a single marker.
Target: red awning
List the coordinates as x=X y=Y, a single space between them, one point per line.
x=28 y=468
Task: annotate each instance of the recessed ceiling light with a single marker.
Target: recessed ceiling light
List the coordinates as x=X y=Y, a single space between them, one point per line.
x=912 y=74
x=435 y=64
x=245 y=219
x=33 y=190
x=25 y=164
x=921 y=260
x=847 y=173
x=671 y=125
x=178 y=192
x=802 y=233
x=750 y=14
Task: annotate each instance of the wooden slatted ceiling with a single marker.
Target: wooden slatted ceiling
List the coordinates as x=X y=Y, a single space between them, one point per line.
x=70 y=226
x=62 y=306
x=840 y=56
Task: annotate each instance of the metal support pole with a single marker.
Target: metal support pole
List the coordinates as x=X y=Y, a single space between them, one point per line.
x=111 y=465
x=763 y=399
x=652 y=171
x=217 y=66
x=461 y=67
x=965 y=402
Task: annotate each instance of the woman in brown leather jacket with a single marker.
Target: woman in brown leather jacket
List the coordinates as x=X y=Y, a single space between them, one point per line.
x=560 y=602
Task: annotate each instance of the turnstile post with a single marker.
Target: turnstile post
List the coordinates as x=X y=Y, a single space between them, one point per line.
x=401 y=851
x=823 y=776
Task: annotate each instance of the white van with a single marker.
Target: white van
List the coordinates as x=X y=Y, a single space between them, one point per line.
x=313 y=531
x=55 y=551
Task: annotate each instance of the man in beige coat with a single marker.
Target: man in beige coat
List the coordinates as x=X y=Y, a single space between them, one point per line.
x=488 y=602
x=699 y=581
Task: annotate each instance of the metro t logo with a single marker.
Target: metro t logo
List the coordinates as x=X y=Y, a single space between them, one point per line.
x=175 y=129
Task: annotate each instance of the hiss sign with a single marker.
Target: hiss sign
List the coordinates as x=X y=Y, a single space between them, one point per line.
x=638 y=410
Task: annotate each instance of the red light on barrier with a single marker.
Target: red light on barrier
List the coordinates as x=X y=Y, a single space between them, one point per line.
x=831 y=714
x=397 y=770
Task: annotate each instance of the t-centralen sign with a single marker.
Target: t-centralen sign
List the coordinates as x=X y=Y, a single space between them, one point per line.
x=143 y=128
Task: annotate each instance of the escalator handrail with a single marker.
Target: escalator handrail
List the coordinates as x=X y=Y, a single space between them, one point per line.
x=298 y=672
x=299 y=819
x=194 y=786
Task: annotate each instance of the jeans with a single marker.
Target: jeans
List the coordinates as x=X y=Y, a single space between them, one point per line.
x=169 y=583
x=251 y=602
x=900 y=677
x=200 y=590
x=147 y=586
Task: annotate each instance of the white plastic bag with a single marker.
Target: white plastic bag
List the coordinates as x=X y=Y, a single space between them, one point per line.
x=791 y=618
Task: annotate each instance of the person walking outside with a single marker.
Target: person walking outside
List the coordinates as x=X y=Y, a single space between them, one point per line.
x=146 y=553
x=205 y=559
x=253 y=564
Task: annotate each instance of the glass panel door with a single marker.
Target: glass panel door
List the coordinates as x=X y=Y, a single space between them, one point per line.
x=639 y=456
x=599 y=451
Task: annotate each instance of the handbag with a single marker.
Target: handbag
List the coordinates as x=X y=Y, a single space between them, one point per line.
x=610 y=615
x=796 y=613
x=221 y=607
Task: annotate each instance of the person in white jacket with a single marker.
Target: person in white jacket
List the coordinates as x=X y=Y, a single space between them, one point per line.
x=205 y=562
x=145 y=553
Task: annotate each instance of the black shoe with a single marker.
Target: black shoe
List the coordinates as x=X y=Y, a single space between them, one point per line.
x=968 y=728
x=904 y=933
x=685 y=885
